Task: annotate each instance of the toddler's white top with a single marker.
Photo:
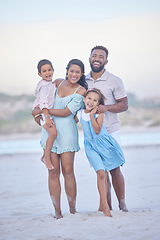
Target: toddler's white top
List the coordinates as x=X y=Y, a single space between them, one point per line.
x=44 y=94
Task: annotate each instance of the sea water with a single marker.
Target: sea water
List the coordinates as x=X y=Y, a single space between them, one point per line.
x=33 y=145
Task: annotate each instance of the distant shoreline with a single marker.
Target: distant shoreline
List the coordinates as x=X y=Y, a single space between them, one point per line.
x=132 y=138
x=124 y=130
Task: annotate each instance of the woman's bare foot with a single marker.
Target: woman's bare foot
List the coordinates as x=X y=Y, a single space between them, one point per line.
x=122 y=206
x=58 y=215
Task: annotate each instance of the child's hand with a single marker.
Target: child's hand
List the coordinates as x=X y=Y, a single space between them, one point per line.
x=94 y=110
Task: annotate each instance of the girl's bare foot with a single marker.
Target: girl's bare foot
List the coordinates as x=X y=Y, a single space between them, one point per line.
x=107 y=212
x=122 y=206
x=101 y=209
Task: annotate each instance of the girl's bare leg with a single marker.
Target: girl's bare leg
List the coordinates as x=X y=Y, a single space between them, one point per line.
x=49 y=143
x=119 y=187
x=108 y=190
x=101 y=183
x=54 y=185
x=67 y=162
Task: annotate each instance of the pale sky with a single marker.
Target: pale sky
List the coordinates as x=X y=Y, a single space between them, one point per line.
x=61 y=30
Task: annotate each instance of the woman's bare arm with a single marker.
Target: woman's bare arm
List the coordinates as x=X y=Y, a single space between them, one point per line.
x=60 y=112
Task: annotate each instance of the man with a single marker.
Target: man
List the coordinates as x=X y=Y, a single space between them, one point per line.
x=116 y=101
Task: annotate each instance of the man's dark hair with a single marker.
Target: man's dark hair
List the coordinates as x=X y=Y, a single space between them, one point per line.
x=43 y=62
x=101 y=48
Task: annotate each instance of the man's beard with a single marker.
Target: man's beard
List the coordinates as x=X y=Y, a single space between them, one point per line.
x=97 y=69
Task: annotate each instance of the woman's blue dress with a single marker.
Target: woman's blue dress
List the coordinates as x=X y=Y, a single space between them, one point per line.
x=67 y=132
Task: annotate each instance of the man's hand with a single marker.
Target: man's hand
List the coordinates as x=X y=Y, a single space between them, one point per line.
x=101 y=109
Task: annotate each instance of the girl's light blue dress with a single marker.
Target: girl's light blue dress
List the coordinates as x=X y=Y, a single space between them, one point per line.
x=102 y=150
x=67 y=132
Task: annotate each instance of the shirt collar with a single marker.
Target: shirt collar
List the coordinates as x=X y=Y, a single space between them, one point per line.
x=103 y=77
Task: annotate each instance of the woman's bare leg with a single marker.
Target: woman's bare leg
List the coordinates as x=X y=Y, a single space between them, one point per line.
x=54 y=185
x=119 y=187
x=101 y=183
x=67 y=162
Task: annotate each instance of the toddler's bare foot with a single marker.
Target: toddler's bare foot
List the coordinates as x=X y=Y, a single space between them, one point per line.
x=47 y=163
x=122 y=206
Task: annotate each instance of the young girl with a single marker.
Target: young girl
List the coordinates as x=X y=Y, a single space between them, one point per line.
x=44 y=94
x=102 y=150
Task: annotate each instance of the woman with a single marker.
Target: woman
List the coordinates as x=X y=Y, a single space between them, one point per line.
x=68 y=100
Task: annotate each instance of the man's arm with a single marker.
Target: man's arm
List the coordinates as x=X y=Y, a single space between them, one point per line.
x=120 y=106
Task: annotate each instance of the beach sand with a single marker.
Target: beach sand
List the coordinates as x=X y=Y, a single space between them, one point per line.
x=27 y=213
